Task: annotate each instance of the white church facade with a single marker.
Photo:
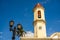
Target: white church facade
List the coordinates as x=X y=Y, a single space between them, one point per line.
x=40 y=26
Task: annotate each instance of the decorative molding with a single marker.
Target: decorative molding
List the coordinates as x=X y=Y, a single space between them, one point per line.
x=35 y=22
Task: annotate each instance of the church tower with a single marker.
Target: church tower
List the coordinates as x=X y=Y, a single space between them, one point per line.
x=39 y=22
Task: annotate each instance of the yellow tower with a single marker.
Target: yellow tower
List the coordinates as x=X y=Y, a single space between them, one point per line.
x=39 y=22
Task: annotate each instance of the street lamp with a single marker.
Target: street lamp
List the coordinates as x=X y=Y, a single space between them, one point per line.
x=19 y=26
x=11 y=23
x=19 y=31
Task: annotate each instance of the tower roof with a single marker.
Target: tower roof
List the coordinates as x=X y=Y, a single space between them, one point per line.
x=38 y=6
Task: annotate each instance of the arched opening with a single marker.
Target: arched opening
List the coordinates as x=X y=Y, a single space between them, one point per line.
x=39 y=14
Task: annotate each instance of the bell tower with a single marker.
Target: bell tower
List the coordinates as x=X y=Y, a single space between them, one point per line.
x=39 y=22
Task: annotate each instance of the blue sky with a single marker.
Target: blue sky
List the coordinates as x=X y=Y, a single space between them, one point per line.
x=21 y=11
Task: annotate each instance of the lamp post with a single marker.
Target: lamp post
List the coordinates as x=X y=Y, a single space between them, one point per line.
x=16 y=31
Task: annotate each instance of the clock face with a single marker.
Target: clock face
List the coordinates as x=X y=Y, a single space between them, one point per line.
x=39 y=14
x=40 y=27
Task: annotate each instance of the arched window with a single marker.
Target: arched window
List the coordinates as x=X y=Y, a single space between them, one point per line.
x=39 y=14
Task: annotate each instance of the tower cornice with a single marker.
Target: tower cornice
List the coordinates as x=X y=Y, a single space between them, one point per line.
x=39 y=21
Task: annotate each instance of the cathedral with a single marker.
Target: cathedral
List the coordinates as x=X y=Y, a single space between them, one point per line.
x=40 y=26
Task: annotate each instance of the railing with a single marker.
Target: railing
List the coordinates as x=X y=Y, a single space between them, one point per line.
x=24 y=38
